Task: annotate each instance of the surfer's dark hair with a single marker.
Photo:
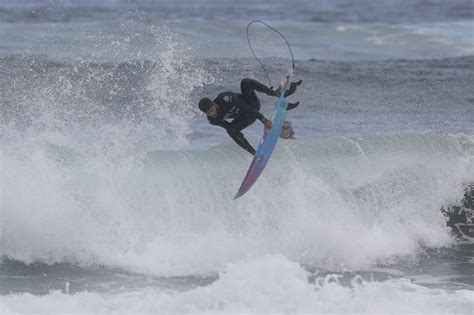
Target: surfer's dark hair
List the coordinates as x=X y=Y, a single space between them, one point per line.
x=205 y=104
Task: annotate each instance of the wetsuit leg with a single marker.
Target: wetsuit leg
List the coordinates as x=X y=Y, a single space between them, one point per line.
x=248 y=88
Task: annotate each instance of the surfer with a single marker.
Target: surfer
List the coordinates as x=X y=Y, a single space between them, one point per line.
x=242 y=108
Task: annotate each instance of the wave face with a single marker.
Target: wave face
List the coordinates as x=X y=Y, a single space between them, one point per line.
x=350 y=202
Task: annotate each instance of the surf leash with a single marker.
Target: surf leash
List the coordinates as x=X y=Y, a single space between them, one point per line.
x=253 y=52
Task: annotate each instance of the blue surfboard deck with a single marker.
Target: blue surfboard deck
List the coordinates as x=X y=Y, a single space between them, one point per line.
x=267 y=144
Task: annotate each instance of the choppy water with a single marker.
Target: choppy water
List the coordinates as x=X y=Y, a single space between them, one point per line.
x=117 y=194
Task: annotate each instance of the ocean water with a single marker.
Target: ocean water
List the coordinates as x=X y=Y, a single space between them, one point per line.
x=117 y=195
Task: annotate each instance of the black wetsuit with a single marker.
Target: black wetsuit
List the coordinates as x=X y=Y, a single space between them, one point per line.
x=242 y=108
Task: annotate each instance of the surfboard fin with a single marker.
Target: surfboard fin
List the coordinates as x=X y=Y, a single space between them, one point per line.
x=292 y=89
x=292 y=105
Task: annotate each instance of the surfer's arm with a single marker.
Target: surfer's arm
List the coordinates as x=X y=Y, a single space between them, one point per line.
x=228 y=126
x=224 y=124
x=235 y=134
x=239 y=138
x=249 y=110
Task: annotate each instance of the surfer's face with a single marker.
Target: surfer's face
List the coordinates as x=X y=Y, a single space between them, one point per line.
x=213 y=110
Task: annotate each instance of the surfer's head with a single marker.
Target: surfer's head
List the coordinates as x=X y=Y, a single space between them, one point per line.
x=209 y=107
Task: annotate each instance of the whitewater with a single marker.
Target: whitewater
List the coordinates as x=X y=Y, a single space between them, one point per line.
x=117 y=195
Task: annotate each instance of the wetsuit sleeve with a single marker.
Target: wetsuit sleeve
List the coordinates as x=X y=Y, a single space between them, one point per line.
x=235 y=134
x=224 y=124
x=239 y=138
x=249 y=110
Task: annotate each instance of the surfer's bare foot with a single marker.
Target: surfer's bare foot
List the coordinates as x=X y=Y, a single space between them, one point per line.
x=291 y=90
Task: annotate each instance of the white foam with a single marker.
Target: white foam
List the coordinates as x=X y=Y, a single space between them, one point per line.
x=171 y=213
x=269 y=284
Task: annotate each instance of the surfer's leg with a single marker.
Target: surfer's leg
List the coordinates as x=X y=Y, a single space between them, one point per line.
x=248 y=88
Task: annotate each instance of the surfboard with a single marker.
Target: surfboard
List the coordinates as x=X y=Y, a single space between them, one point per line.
x=267 y=143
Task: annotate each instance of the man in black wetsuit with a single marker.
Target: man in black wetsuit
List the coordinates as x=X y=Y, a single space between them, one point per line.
x=242 y=108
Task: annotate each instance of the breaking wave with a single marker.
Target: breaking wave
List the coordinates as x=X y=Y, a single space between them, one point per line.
x=346 y=202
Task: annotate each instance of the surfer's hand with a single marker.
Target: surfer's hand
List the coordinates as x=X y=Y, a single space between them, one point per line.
x=268 y=123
